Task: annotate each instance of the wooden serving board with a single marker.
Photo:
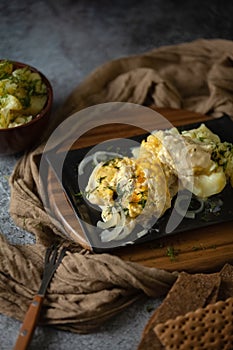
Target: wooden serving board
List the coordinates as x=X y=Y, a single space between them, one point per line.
x=203 y=250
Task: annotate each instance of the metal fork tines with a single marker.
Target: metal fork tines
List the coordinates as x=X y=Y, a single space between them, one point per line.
x=52 y=260
x=51 y=263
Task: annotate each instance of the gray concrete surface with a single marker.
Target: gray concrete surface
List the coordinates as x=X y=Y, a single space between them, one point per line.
x=66 y=40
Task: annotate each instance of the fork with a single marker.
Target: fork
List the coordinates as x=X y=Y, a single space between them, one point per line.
x=51 y=262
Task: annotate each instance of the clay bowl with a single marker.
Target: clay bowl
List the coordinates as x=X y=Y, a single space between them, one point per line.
x=26 y=136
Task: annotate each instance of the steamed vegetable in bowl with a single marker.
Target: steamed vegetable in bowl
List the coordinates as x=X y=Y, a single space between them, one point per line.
x=23 y=94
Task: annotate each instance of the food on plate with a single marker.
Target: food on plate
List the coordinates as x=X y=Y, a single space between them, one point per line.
x=120 y=188
x=221 y=153
x=126 y=188
x=22 y=95
x=191 y=161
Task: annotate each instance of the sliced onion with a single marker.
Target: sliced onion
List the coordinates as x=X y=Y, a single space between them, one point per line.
x=141 y=233
x=111 y=222
x=110 y=235
x=116 y=233
x=96 y=158
x=102 y=156
x=190 y=214
x=83 y=163
x=199 y=210
x=127 y=230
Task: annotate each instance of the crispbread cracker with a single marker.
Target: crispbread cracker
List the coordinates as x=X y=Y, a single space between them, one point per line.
x=209 y=328
x=188 y=293
x=226 y=286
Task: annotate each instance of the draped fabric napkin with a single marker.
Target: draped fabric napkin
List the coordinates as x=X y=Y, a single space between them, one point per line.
x=88 y=288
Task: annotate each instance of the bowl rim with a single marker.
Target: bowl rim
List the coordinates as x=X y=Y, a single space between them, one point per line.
x=48 y=103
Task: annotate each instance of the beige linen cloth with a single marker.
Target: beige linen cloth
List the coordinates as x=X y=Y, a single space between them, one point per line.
x=87 y=288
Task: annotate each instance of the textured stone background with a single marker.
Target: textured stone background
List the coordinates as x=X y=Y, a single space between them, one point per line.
x=66 y=40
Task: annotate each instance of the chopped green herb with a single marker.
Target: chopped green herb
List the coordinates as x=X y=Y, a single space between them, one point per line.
x=142 y=202
x=79 y=194
x=172 y=253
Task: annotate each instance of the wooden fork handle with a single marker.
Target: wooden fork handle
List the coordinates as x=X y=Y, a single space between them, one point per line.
x=27 y=329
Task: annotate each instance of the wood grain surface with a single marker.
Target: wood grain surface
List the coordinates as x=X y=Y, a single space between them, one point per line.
x=203 y=250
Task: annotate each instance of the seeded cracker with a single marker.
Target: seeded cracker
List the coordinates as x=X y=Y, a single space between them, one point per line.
x=209 y=328
x=187 y=294
x=226 y=286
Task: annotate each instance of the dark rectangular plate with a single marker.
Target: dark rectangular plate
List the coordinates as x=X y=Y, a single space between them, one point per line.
x=217 y=208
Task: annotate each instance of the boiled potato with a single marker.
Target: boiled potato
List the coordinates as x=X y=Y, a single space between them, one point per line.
x=22 y=95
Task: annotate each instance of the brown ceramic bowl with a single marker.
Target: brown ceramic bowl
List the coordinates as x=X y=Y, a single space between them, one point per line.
x=26 y=136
